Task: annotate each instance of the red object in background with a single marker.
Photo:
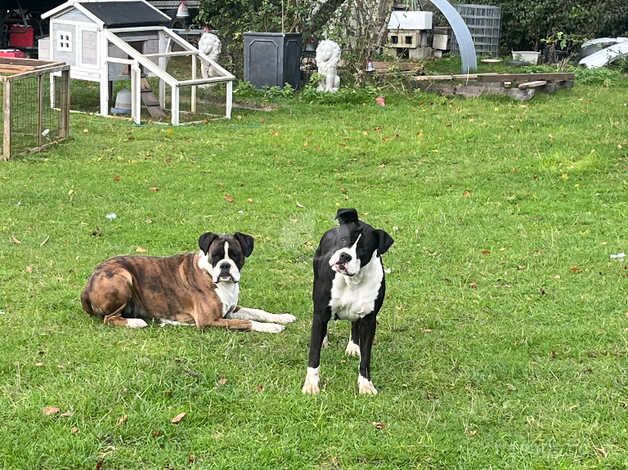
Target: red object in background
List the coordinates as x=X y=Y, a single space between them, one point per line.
x=21 y=36
x=12 y=53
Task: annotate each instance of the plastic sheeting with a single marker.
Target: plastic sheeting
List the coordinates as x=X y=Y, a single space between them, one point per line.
x=462 y=34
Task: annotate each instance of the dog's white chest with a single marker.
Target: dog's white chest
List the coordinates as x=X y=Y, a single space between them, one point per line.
x=229 y=293
x=354 y=297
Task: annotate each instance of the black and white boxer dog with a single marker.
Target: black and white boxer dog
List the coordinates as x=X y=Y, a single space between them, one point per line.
x=200 y=289
x=348 y=285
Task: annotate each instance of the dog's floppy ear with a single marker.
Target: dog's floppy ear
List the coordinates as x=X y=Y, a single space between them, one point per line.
x=205 y=240
x=346 y=216
x=385 y=241
x=246 y=242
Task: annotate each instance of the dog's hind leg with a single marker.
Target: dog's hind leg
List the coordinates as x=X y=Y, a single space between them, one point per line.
x=106 y=296
x=319 y=331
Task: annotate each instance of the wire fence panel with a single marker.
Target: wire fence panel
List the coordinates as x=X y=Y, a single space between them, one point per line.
x=29 y=123
x=484 y=23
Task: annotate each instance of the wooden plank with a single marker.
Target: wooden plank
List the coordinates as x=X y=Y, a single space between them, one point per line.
x=150 y=101
x=171 y=54
x=499 y=77
x=523 y=77
x=14 y=68
x=203 y=81
x=28 y=62
x=39 y=71
x=433 y=78
x=533 y=84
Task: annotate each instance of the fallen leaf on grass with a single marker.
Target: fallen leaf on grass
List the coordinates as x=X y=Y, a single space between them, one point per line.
x=178 y=418
x=229 y=198
x=29 y=269
x=39 y=364
x=66 y=414
x=15 y=240
x=301 y=206
x=74 y=430
x=249 y=200
x=259 y=388
x=575 y=269
x=157 y=433
x=466 y=193
x=379 y=425
x=116 y=178
x=222 y=381
x=486 y=252
x=602 y=451
x=473 y=285
x=121 y=420
x=139 y=249
x=153 y=189
x=97 y=232
x=50 y=410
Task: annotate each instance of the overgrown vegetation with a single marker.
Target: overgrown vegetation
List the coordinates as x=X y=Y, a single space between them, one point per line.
x=558 y=27
x=501 y=343
x=527 y=23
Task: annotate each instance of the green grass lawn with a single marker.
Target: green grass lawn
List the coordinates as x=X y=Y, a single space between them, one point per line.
x=502 y=341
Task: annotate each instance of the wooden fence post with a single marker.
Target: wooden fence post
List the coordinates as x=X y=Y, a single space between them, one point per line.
x=64 y=116
x=40 y=109
x=6 y=140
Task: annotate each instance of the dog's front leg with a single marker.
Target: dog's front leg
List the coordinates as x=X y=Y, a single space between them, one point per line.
x=255 y=314
x=319 y=331
x=366 y=331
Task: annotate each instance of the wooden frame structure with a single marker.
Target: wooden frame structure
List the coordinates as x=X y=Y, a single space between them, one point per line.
x=98 y=41
x=12 y=70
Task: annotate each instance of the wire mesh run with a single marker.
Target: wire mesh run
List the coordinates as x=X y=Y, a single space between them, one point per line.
x=484 y=23
x=29 y=122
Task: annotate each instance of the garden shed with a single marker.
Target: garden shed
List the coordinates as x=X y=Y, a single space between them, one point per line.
x=107 y=41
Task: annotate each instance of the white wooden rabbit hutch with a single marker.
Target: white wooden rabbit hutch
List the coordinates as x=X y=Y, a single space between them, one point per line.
x=106 y=41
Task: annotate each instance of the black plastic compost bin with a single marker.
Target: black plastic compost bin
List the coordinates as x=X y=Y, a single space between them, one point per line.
x=272 y=59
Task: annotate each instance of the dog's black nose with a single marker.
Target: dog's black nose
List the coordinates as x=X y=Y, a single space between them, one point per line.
x=344 y=258
x=225 y=267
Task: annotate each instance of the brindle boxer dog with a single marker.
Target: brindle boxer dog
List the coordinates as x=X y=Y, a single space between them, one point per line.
x=199 y=289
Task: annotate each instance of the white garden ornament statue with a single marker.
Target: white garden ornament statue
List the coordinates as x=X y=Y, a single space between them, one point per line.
x=327 y=58
x=210 y=45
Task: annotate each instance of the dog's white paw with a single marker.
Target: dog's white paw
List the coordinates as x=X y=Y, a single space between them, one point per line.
x=325 y=341
x=266 y=327
x=284 y=318
x=365 y=386
x=310 y=387
x=352 y=349
x=135 y=323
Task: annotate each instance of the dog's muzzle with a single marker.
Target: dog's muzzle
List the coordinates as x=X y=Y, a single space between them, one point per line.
x=225 y=273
